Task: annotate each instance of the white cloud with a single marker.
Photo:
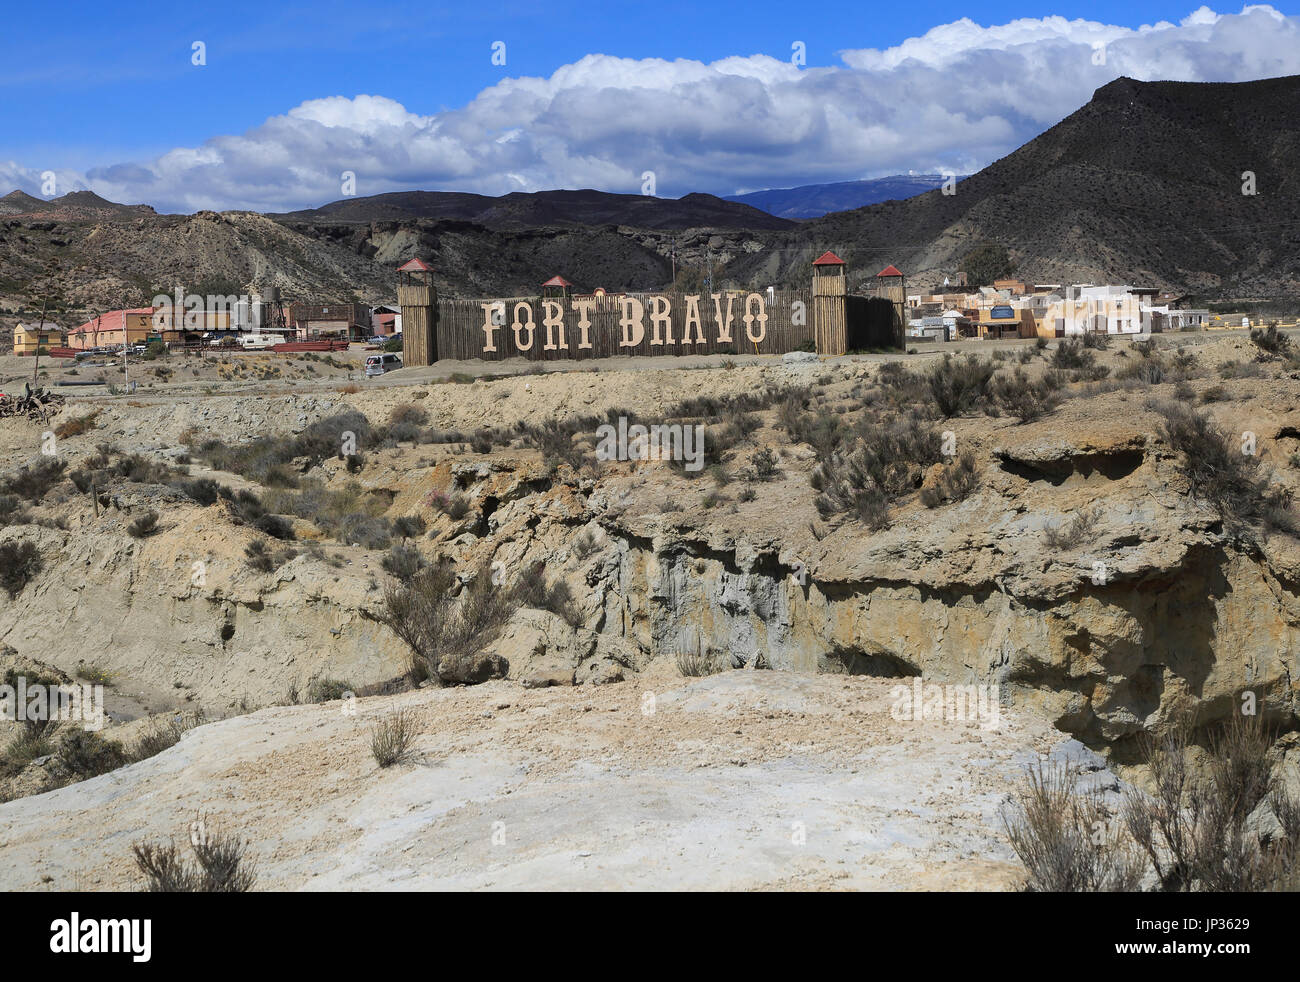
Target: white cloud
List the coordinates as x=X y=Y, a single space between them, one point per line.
x=955 y=98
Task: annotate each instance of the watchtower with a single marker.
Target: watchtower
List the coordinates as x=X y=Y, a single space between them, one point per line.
x=418 y=298
x=890 y=286
x=829 y=288
x=557 y=288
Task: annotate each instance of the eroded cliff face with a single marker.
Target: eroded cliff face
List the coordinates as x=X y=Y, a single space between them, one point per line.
x=1156 y=610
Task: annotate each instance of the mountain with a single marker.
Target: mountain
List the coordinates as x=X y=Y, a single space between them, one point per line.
x=1143 y=184
x=544 y=208
x=815 y=200
x=76 y=206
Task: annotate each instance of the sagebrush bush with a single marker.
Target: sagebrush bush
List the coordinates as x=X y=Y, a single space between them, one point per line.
x=887 y=461
x=959 y=385
x=31 y=483
x=144 y=526
x=1019 y=396
x=1220 y=474
x=1074 y=533
x=956 y=482
x=222 y=864
x=391 y=739
x=20 y=561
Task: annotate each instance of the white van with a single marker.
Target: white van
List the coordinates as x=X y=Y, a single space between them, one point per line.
x=379 y=364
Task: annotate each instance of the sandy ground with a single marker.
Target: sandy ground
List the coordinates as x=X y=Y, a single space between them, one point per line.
x=742 y=780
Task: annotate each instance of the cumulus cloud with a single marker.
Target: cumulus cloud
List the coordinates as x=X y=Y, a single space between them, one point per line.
x=953 y=99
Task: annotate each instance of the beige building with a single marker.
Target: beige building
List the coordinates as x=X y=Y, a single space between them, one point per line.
x=40 y=334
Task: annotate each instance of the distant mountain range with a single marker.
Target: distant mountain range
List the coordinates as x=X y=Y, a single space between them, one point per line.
x=536 y=209
x=75 y=206
x=1142 y=185
x=815 y=200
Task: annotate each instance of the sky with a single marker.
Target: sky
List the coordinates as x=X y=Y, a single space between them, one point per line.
x=274 y=107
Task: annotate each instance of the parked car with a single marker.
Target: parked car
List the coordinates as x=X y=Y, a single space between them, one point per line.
x=379 y=364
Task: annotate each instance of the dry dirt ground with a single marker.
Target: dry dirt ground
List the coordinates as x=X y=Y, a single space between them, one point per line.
x=741 y=780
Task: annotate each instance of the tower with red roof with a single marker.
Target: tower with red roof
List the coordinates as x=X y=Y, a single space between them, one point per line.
x=418 y=299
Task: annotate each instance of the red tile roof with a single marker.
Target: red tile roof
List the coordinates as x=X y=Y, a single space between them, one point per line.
x=828 y=258
x=416 y=265
x=889 y=271
x=102 y=322
x=557 y=281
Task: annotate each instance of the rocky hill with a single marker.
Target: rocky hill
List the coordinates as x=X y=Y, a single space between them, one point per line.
x=1142 y=185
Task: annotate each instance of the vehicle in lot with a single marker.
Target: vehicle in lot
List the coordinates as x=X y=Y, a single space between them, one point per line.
x=258 y=342
x=379 y=364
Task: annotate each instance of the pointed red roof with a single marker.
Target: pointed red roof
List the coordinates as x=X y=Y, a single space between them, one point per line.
x=557 y=280
x=828 y=258
x=416 y=265
x=889 y=271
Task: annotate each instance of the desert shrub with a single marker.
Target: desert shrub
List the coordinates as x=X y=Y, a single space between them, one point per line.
x=1052 y=828
x=391 y=740
x=443 y=628
x=12 y=511
x=1072 y=355
x=534 y=591
x=821 y=430
x=1215 y=393
x=1096 y=341
x=697 y=664
x=32 y=482
x=221 y=865
x=1146 y=347
x=1040 y=344
x=1148 y=371
x=203 y=490
x=20 y=561
x=367 y=531
x=1019 y=396
x=144 y=526
x=403 y=561
x=1075 y=533
x=886 y=462
x=163 y=734
x=275 y=526
x=1271 y=343
x=956 y=482
x=265 y=560
x=958 y=385
x=24 y=748
x=455 y=505
x=747 y=494
x=1238 y=369
x=328 y=690
x=409 y=526
x=85 y=753
x=765 y=466
x=1193 y=828
x=77 y=425
x=555 y=440
x=585 y=544
x=1219 y=474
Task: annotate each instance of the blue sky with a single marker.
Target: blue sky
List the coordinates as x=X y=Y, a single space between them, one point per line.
x=97 y=86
